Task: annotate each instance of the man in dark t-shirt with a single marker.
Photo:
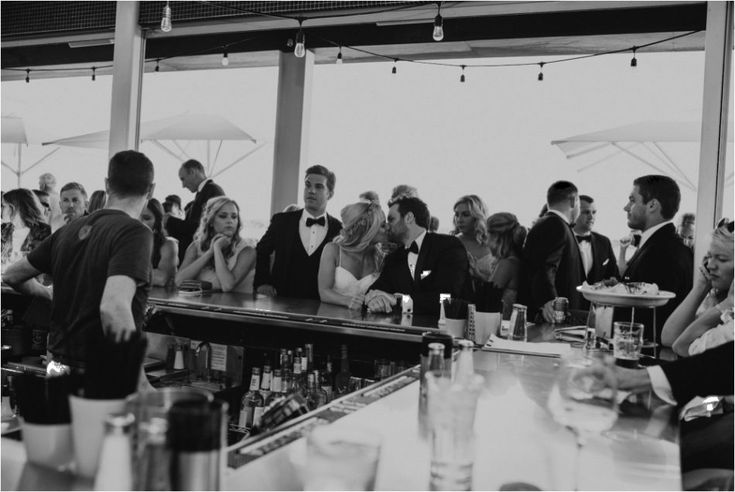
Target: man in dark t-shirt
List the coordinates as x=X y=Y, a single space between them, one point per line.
x=100 y=266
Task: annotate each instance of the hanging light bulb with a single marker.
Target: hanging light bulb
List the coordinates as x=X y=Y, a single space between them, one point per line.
x=461 y=78
x=541 y=72
x=225 y=59
x=166 y=19
x=158 y=67
x=300 y=49
x=633 y=61
x=438 y=24
x=94 y=75
x=339 y=56
x=395 y=68
x=28 y=75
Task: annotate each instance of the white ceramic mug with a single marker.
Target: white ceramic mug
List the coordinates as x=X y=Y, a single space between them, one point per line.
x=48 y=445
x=88 y=429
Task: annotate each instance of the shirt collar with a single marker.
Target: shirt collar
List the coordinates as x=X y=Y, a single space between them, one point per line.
x=649 y=232
x=201 y=185
x=420 y=240
x=563 y=217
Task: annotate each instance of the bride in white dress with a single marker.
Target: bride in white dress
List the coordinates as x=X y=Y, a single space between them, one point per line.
x=352 y=261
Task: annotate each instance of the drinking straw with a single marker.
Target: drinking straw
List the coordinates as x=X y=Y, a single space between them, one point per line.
x=455 y=308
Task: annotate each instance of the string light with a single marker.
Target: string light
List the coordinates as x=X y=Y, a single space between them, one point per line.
x=28 y=75
x=541 y=71
x=438 y=24
x=158 y=67
x=94 y=76
x=395 y=68
x=461 y=78
x=225 y=59
x=166 y=19
x=339 y=56
x=633 y=61
x=300 y=49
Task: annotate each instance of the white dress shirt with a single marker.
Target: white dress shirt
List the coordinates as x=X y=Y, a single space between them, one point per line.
x=585 y=250
x=413 y=257
x=312 y=237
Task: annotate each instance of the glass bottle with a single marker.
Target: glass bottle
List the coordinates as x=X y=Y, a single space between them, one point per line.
x=265 y=384
x=321 y=395
x=115 y=470
x=250 y=400
x=342 y=379
x=276 y=392
x=283 y=359
x=155 y=461
x=326 y=379
x=465 y=364
x=309 y=353
x=297 y=382
x=518 y=323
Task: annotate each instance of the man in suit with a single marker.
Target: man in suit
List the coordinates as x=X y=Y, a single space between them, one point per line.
x=662 y=258
x=598 y=257
x=428 y=264
x=297 y=238
x=551 y=255
x=194 y=179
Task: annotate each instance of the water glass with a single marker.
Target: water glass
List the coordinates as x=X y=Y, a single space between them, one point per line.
x=451 y=415
x=627 y=342
x=340 y=458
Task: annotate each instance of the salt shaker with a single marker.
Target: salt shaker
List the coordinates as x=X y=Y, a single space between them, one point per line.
x=115 y=470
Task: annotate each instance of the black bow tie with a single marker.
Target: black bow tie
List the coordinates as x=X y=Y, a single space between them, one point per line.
x=581 y=239
x=320 y=221
x=636 y=240
x=414 y=248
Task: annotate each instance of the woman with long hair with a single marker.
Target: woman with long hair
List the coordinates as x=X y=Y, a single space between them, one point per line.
x=218 y=254
x=352 y=261
x=165 y=255
x=505 y=239
x=97 y=201
x=23 y=223
x=470 y=214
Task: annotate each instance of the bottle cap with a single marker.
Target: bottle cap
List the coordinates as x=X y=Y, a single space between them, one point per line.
x=435 y=336
x=119 y=423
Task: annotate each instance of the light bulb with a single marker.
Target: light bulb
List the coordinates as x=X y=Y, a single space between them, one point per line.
x=94 y=76
x=300 y=49
x=166 y=19
x=339 y=57
x=28 y=75
x=225 y=59
x=438 y=28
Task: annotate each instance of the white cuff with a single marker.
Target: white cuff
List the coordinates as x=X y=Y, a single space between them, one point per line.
x=660 y=384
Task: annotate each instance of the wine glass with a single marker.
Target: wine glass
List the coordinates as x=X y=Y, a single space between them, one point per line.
x=583 y=398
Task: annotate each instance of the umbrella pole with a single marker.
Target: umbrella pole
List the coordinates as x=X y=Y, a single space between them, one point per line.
x=19 y=163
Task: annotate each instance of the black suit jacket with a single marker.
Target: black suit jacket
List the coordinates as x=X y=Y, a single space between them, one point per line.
x=442 y=255
x=553 y=263
x=281 y=238
x=708 y=373
x=666 y=261
x=604 y=263
x=184 y=230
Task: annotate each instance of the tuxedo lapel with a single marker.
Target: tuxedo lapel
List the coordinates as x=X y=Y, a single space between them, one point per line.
x=422 y=259
x=657 y=236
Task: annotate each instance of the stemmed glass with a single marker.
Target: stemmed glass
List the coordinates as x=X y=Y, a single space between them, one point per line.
x=583 y=398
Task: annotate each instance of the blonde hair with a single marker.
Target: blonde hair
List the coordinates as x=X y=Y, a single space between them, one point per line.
x=509 y=234
x=361 y=223
x=478 y=210
x=205 y=232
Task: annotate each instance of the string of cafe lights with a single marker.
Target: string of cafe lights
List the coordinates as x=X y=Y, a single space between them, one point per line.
x=300 y=45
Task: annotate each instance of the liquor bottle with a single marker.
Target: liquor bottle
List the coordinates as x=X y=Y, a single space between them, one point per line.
x=342 y=379
x=283 y=360
x=286 y=382
x=309 y=352
x=435 y=368
x=326 y=380
x=250 y=400
x=298 y=385
x=276 y=392
x=265 y=384
x=320 y=395
x=465 y=365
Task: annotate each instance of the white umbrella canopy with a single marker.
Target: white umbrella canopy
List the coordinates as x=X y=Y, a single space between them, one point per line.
x=14 y=132
x=631 y=139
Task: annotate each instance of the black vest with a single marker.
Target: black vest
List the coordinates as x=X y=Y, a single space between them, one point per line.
x=304 y=271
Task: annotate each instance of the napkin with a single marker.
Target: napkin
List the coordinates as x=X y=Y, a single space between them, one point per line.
x=495 y=344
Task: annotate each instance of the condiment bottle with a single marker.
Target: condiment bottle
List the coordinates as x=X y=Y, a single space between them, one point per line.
x=115 y=470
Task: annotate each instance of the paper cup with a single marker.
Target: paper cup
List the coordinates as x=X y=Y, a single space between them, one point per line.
x=87 y=426
x=455 y=327
x=486 y=324
x=49 y=445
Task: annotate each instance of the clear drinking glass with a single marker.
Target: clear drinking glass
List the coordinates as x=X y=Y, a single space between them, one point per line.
x=583 y=399
x=627 y=343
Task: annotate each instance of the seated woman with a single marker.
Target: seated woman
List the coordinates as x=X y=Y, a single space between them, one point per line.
x=23 y=224
x=165 y=257
x=218 y=254
x=710 y=288
x=352 y=261
x=470 y=214
x=710 y=337
x=505 y=238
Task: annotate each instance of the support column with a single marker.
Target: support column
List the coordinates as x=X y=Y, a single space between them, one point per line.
x=715 y=108
x=293 y=117
x=127 y=78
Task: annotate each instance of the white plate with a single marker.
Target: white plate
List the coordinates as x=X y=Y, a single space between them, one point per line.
x=625 y=300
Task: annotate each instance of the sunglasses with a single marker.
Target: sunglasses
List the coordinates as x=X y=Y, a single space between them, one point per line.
x=726 y=222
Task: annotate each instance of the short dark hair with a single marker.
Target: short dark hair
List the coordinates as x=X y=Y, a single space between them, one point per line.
x=130 y=173
x=688 y=217
x=586 y=198
x=417 y=206
x=73 y=185
x=662 y=188
x=193 y=165
x=323 y=171
x=41 y=193
x=560 y=191
x=173 y=199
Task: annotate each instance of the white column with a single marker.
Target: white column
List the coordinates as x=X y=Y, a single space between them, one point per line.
x=127 y=77
x=293 y=115
x=715 y=108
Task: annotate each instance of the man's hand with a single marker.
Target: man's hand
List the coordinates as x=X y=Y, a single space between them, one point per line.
x=267 y=290
x=115 y=308
x=633 y=380
x=379 y=301
x=547 y=311
x=357 y=301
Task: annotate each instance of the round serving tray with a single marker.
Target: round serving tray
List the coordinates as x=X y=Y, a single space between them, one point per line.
x=626 y=300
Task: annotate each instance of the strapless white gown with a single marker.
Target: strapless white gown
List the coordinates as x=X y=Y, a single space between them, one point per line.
x=346 y=284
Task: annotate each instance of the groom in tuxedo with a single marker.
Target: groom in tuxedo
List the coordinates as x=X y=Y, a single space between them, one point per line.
x=428 y=263
x=597 y=253
x=297 y=238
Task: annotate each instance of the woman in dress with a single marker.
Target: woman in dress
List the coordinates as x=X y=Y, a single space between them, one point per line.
x=23 y=224
x=470 y=214
x=165 y=256
x=218 y=254
x=699 y=310
x=352 y=261
x=505 y=239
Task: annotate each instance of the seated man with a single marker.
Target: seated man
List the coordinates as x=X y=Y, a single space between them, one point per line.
x=427 y=265
x=73 y=204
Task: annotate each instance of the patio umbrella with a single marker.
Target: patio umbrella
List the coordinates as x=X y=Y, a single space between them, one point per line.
x=166 y=134
x=640 y=141
x=14 y=132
